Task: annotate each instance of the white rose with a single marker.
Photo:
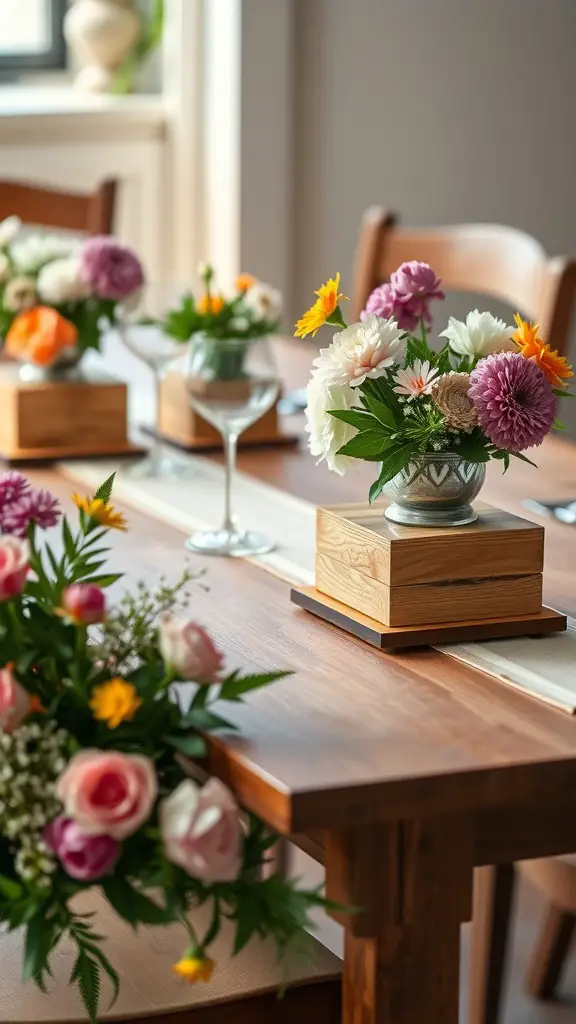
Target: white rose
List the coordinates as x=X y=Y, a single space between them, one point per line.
x=201 y=831
x=9 y=228
x=60 y=281
x=4 y=266
x=481 y=335
x=33 y=252
x=263 y=301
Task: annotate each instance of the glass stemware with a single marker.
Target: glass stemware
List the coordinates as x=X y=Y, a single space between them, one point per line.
x=231 y=383
x=141 y=331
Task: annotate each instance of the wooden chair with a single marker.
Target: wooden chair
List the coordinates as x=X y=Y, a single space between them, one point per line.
x=490 y=259
x=91 y=213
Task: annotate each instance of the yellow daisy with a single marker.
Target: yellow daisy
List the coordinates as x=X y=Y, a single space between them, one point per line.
x=326 y=308
x=101 y=511
x=194 y=968
x=114 y=702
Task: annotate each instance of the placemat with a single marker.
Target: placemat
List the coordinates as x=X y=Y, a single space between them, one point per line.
x=544 y=667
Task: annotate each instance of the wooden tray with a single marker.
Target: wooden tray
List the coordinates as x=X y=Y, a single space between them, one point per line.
x=395 y=637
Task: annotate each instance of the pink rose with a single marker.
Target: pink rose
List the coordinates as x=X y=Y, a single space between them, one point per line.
x=85 y=603
x=13 y=566
x=189 y=651
x=108 y=793
x=201 y=831
x=82 y=856
x=15 y=701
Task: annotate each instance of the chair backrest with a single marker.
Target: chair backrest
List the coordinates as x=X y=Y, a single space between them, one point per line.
x=490 y=259
x=90 y=213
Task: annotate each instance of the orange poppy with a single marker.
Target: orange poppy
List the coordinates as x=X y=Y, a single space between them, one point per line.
x=38 y=335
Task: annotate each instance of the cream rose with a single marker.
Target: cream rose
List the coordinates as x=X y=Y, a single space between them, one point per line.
x=450 y=395
x=108 y=793
x=201 y=831
x=187 y=648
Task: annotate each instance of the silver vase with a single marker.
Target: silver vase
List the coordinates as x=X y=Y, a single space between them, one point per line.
x=435 y=490
x=65 y=367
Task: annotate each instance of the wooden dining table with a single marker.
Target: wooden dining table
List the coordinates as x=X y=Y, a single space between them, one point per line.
x=407 y=771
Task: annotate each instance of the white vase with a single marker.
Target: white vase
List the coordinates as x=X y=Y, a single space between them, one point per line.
x=101 y=34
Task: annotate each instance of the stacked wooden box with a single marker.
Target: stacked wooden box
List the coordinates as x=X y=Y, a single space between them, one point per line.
x=411 y=576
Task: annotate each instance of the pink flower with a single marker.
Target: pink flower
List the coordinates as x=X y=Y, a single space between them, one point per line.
x=111 y=270
x=39 y=507
x=514 y=401
x=108 y=793
x=416 y=280
x=383 y=302
x=15 y=701
x=187 y=648
x=201 y=831
x=82 y=856
x=12 y=487
x=13 y=567
x=84 y=603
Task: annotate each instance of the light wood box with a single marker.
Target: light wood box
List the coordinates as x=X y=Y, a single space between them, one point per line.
x=402 y=576
x=177 y=420
x=60 y=419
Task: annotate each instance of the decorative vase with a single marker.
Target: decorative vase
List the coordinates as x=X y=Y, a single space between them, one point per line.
x=102 y=35
x=435 y=490
x=218 y=359
x=65 y=367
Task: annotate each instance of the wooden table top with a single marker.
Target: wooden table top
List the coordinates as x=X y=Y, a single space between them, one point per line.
x=357 y=733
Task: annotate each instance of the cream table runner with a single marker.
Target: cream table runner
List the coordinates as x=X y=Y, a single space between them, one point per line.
x=544 y=667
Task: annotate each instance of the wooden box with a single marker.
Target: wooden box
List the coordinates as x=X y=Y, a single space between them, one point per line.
x=178 y=422
x=402 y=576
x=62 y=419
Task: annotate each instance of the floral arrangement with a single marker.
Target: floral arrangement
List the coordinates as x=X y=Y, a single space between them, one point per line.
x=380 y=393
x=251 y=312
x=56 y=294
x=95 y=749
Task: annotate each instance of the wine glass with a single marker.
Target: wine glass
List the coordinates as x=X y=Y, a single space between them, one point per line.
x=231 y=383
x=141 y=330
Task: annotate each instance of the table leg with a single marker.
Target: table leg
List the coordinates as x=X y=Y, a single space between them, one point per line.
x=493 y=905
x=413 y=884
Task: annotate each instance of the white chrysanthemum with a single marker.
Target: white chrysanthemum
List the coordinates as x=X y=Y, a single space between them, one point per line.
x=33 y=252
x=9 y=229
x=327 y=434
x=481 y=335
x=362 y=350
x=263 y=301
x=60 y=281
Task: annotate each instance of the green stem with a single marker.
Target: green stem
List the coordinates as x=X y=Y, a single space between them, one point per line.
x=15 y=621
x=424 y=334
x=336 y=319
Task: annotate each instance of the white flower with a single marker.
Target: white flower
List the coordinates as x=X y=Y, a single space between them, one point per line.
x=20 y=294
x=60 y=281
x=327 y=434
x=263 y=301
x=481 y=335
x=33 y=252
x=415 y=380
x=4 y=266
x=239 y=323
x=9 y=228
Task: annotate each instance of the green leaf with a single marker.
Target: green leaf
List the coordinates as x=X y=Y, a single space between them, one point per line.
x=442 y=360
x=192 y=746
x=107 y=581
x=10 y=889
x=369 y=445
x=205 y=720
x=38 y=945
x=133 y=906
x=104 y=492
x=416 y=348
x=558 y=425
x=236 y=686
x=97 y=953
x=523 y=458
x=393 y=464
x=87 y=973
x=358 y=418
x=383 y=414
x=562 y=393
x=473 y=452
x=68 y=538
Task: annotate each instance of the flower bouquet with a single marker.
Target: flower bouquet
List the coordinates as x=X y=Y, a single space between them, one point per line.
x=430 y=419
x=95 y=786
x=57 y=294
x=226 y=326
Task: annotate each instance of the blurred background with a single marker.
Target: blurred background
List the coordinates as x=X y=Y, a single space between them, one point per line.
x=254 y=133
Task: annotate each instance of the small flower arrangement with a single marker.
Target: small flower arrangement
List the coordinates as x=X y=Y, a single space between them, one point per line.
x=253 y=311
x=57 y=294
x=380 y=393
x=95 y=749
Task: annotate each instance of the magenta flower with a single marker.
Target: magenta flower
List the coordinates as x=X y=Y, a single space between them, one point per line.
x=84 y=603
x=111 y=270
x=12 y=487
x=514 y=401
x=407 y=297
x=39 y=507
x=416 y=280
x=384 y=303
x=82 y=856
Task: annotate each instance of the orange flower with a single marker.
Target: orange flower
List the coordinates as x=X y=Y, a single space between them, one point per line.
x=39 y=335
x=210 y=304
x=555 y=366
x=244 y=281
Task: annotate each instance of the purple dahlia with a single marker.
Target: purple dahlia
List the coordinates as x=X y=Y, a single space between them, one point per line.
x=514 y=401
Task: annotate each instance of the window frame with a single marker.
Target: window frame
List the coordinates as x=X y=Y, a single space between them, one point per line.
x=12 y=65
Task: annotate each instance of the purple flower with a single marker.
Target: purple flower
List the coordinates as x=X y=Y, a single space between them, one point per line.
x=407 y=297
x=384 y=303
x=82 y=856
x=39 y=506
x=514 y=401
x=111 y=270
x=416 y=280
x=12 y=487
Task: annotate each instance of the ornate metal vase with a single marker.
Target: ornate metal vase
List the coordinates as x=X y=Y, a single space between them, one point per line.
x=435 y=490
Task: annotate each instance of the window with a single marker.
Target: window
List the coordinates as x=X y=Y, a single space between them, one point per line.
x=31 y=35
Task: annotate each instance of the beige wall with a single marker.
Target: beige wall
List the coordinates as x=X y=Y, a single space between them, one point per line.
x=444 y=110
